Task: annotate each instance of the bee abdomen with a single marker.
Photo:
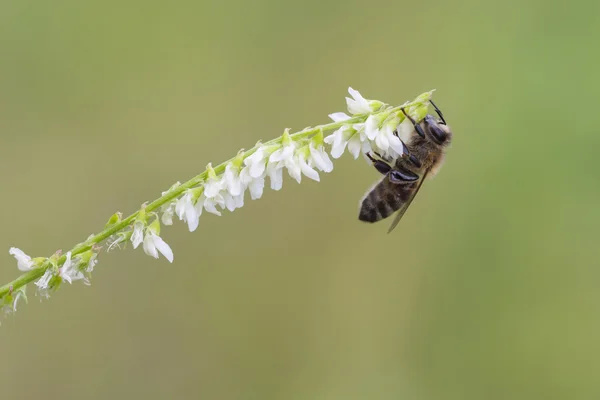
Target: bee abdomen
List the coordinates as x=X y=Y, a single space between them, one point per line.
x=380 y=203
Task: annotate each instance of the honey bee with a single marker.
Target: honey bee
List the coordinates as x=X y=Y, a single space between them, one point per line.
x=423 y=156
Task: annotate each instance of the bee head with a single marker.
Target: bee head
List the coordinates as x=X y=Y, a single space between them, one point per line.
x=437 y=130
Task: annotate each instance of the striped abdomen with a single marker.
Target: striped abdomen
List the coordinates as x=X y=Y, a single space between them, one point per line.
x=384 y=199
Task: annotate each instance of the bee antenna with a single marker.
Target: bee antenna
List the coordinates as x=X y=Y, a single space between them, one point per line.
x=438 y=111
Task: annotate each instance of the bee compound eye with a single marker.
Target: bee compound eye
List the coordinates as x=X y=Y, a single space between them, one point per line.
x=438 y=133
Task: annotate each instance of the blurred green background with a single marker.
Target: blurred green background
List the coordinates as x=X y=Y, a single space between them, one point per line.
x=489 y=288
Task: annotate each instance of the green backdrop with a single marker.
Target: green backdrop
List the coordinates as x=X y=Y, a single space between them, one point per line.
x=487 y=290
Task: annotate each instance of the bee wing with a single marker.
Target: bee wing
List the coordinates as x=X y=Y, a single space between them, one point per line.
x=401 y=212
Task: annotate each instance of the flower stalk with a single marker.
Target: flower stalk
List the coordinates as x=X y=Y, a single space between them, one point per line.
x=370 y=126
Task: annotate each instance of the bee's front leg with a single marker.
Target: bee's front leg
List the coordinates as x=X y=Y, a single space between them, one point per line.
x=406 y=154
x=417 y=126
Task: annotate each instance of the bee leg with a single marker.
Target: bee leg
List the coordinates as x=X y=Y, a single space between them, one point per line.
x=386 y=159
x=417 y=126
x=406 y=154
x=400 y=175
x=439 y=112
x=379 y=165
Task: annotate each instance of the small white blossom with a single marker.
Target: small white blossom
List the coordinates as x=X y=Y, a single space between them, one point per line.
x=24 y=262
x=357 y=104
x=232 y=181
x=212 y=197
x=92 y=263
x=10 y=301
x=44 y=281
x=189 y=210
x=306 y=169
x=275 y=173
x=286 y=157
x=68 y=271
x=138 y=234
x=168 y=210
x=254 y=184
x=257 y=163
x=256 y=187
x=381 y=131
x=339 y=117
x=153 y=244
x=319 y=158
x=338 y=141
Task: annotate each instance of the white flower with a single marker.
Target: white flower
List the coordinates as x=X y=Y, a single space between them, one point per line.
x=275 y=173
x=233 y=202
x=307 y=169
x=232 y=181
x=358 y=141
x=380 y=130
x=256 y=164
x=24 y=262
x=212 y=193
x=168 y=210
x=9 y=302
x=68 y=272
x=338 y=141
x=44 y=281
x=405 y=130
x=339 y=117
x=357 y=104
x=92 y=263
x=319 y=158
x=254 y=184
x=188 y=211
x=138 y=234
x=286 y=156
x=256 y=187
x=153 y=244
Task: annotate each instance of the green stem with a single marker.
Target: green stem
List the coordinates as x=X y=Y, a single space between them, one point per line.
x=174 y=193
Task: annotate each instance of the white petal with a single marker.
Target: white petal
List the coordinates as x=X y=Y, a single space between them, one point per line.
x=149 y=247
x=382 y=142
x=293 y=168
x=358 y=104
x=256 y=163
x=180 y=206
x=163 y=247
x=213 y=187
x=167 y=216
x=320 y=159
x=235 y=186
x=405 y=130
x=354 y=145
x=209 y=205
x=239 y=201
x=229 y=202
x=308 y=170
x=191 y=216
x=43 y=282
x=331 y=138
x=395 y=144
x=276 y=156
x=24 y=262
x=366 y=147
x=256 y=188
x=138 y=236
x=282 y=154
x=339 y=117
x=372 y=127
x=275 y=176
